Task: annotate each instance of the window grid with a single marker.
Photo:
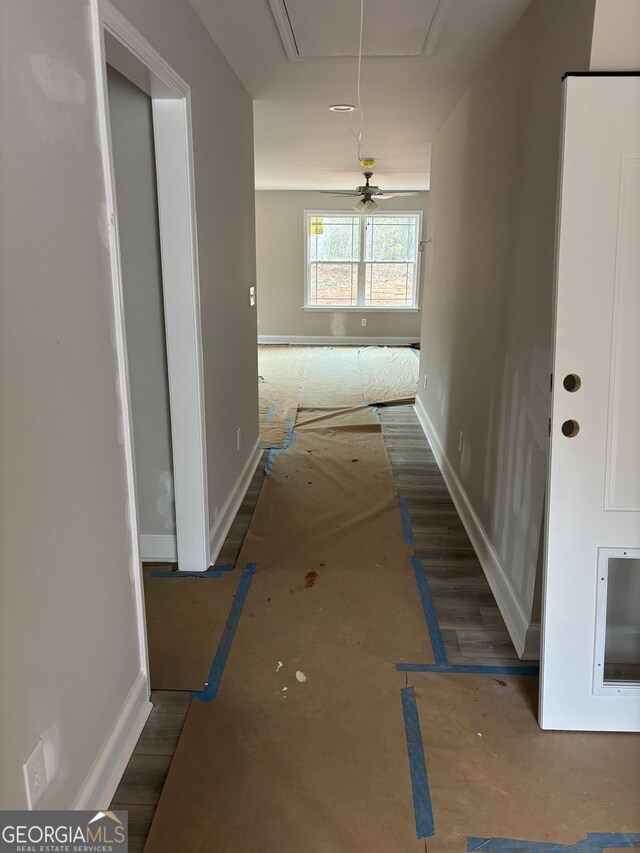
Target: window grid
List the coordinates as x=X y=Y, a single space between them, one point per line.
x=382 y=262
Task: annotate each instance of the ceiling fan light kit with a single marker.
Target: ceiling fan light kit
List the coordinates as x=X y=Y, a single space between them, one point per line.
x=342 y=108
x=367 y=205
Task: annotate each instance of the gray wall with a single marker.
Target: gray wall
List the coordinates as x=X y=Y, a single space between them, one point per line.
x=616 y=36
x=486 y=333
x=134 y=161
x=68 y=639
x=280 y=264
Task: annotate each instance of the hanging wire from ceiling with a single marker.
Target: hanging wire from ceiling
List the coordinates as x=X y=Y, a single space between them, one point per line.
x=360 y=135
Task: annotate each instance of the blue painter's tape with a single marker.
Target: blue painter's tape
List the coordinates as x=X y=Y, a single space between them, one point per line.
x=467 y=668
x=415 y=351
x=417 y=765
x=406 y=522
x=435 y=635
x=211 y=572
x=270 y=413
x=224 y=646
x=271 y=458
x=595 y=842
x=290 y=438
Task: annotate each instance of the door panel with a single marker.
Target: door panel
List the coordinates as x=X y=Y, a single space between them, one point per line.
x=623 y=446
x=592 y=580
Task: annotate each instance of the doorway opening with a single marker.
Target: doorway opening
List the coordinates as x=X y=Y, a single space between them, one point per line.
x=132 y=143
x=119 y=46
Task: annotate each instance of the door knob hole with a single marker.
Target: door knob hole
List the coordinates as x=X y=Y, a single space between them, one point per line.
x=571 y=382
x=570 y=428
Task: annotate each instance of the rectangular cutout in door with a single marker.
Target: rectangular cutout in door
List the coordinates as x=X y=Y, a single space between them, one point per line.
x=617 y=646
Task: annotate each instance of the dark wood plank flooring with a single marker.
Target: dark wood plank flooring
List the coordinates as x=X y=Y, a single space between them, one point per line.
x=472 y=627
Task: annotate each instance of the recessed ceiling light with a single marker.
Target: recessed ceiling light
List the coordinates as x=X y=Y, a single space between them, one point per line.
x=342 y=108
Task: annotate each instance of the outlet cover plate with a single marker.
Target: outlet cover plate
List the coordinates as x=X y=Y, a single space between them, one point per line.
x=35 y=775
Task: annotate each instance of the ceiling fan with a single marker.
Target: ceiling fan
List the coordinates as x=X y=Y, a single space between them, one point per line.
x=366 y=194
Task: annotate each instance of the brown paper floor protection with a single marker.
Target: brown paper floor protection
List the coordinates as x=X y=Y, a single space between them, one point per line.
x=277 y=763
x=494 y=773
x=388 y=374
x=329 y=377
x=185 y=618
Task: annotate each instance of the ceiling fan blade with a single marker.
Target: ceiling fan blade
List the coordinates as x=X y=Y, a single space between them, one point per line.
x=338 y=193
x=399 y=195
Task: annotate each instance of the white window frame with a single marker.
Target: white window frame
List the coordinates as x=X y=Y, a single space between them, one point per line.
x=362 y=265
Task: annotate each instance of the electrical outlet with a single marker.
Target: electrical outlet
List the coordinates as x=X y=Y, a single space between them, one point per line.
x=35 y=776
x=424 y=382
x=252 y=296
x=363 y=322
x=460 y=441
x=239 y=438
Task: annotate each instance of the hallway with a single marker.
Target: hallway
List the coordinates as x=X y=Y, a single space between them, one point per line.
x=314 y=699
x=320 y=346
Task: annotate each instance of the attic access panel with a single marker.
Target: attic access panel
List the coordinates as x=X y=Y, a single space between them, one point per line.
x=331 y=28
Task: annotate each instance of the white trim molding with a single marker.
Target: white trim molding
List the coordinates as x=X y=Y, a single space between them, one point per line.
x=116 y=40
x=532 y=642
x=331 y=341
x=104 y=777
x=158 y=546
x=511 y=607
x=224 y=520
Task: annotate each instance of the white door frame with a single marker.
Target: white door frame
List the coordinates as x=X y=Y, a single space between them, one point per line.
x=115 y=39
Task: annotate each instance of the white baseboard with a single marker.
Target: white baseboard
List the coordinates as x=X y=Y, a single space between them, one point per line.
x=105 y=775
x=507 y=599
x=329 y=340
x=220 y=528
x=158 y=546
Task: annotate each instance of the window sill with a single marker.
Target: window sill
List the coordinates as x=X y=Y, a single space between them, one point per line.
x=363 y=309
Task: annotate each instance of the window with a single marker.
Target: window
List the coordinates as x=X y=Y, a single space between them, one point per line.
x=362 y=260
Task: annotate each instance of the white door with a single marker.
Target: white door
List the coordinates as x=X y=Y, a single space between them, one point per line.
x=590 y=677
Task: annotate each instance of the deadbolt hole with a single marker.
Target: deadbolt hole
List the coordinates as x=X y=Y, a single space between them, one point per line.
x=570 y=428
x=571 y=382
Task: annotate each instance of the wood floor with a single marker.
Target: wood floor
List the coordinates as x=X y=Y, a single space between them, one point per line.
x=471 y=624
x=472 y=628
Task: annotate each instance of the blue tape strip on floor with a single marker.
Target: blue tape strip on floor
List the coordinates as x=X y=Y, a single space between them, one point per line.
x=271 y=458
x=595 y=842
x=415 y=351
x=290 y=438
x=224 y=646
x=212 y=572
x=468 y=668
x=417 y=765
x=289 y=441
x=270 y=413
x=406 y=522
x=435 y=635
